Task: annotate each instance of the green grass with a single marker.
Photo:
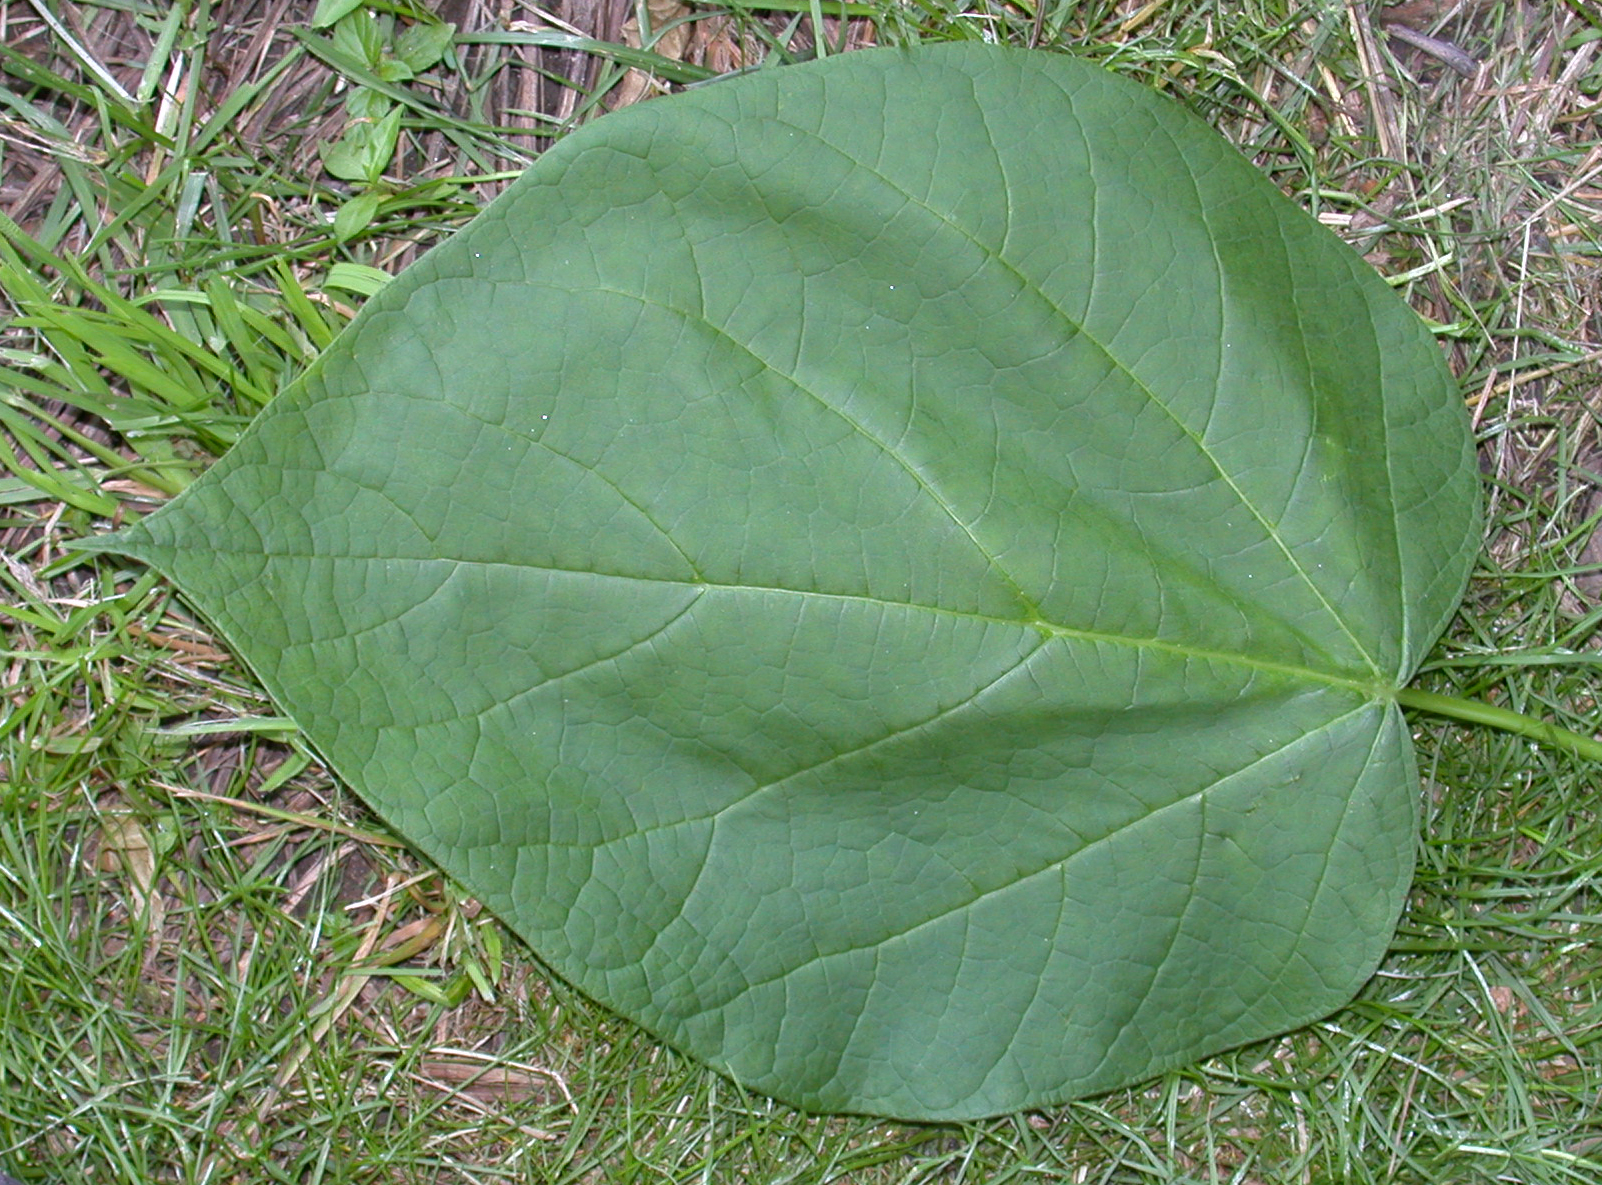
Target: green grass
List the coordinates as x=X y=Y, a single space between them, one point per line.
x=216 y=967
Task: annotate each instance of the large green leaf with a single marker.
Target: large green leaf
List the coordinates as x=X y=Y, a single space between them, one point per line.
x=893 y=573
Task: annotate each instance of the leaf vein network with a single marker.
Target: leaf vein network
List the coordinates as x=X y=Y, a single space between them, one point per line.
x=1028 y=285
x=1057 y=865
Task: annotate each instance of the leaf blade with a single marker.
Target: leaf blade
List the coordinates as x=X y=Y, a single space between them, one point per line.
x=809 y=623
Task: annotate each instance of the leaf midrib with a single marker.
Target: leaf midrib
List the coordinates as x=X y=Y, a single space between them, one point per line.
x=1372 y=689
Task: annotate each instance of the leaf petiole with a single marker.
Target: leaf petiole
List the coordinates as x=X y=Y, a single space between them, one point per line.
x=1476 y=712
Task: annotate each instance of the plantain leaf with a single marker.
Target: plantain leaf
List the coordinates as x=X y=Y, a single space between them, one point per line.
x=891 y=572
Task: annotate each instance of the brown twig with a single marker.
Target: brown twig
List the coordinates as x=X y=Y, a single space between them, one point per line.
x=1442 y=50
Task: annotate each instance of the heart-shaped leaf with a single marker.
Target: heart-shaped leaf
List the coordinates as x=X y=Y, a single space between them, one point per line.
x=893 y=573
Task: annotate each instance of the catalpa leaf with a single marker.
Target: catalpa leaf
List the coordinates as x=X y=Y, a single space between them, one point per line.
x=893 y=573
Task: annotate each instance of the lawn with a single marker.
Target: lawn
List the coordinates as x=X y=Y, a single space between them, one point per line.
x=217 y=966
